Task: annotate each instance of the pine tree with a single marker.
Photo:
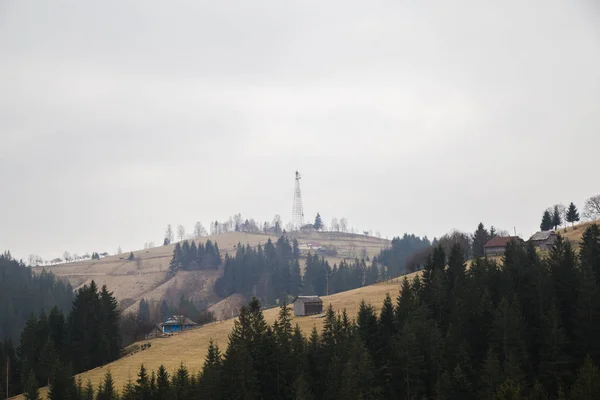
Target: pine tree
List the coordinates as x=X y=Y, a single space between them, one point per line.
x=110 y=334
x=587 y=385
x=163 y=385
x=491 y=375
x=131 y=256
x=589 y=249
x=318 y=225
x=555 y=361
x=142 y=387
x=88 y=391
x=546 y=224
x=181 y=382
x=509 y=390
x=572 y=214
x=129 y=391
x=211 y=373
x=62 y=386
x=106 y=390
x=177 y=260
x=31 y=388
x=480 y=238
x=556 y=217
x=238 y=371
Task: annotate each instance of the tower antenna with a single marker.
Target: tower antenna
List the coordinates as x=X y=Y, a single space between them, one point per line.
x=297 y=212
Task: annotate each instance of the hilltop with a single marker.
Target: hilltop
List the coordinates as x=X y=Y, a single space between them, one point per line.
x=148 y=276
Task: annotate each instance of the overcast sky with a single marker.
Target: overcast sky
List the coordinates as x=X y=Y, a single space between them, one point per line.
x=119 y=117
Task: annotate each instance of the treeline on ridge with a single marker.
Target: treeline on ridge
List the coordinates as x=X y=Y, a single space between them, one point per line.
x=22 y=293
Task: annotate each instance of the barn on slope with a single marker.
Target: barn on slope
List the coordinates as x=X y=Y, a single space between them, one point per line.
x=307 y=305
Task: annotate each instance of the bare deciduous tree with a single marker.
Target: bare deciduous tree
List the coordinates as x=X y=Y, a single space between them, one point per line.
x=199 y=230
x=119 y=250
x=180 y=232
x=591 y=209
x=289 y=227
x=138 y=262
x=335 y=225
x=67 y=256
x=168 y=235
x=343 y=225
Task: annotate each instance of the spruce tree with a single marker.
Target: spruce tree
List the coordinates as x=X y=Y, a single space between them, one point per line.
x=129 y=391
x=110 y=339
x=163 y=385
x=587 y=385
x=546 y=224
x=480 y=238
x=318 y=225
x=31 y=388
x=88 y=391
x=131 y=256
x=107 y=390
x=211 y=373
x=62 y=385
x=556 y=217
x=572 y=214
x=142 y=386
x=177 y=260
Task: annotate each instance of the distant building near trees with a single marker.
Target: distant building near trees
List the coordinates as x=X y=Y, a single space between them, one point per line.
x=176 y=323
x=543 y=239
x=497 y=245
x=307 y=305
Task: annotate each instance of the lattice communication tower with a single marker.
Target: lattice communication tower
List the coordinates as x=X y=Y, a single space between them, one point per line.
x=297 y=212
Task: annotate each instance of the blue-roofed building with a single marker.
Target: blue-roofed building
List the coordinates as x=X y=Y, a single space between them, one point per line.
x=177 y=323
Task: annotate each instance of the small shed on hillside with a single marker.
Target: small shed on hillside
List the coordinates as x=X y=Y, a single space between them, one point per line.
x=156 y=331
x=177 y=323
x=307 y=305
x=544 y=239
x=497 y=245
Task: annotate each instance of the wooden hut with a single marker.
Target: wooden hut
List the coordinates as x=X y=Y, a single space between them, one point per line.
x=307 y=305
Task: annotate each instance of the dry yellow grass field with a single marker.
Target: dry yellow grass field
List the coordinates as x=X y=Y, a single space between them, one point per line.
x=131 y=281
x=189 y=347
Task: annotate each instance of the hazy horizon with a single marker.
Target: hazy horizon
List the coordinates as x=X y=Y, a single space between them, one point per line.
x=118 y=118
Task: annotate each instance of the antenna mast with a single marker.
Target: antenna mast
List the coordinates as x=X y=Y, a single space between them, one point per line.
x=297 y=212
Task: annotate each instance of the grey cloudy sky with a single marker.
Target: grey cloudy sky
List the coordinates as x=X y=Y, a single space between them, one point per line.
x=119 y=117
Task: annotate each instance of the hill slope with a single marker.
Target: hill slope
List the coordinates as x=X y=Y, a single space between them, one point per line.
x=131 y=281
x=190 y=347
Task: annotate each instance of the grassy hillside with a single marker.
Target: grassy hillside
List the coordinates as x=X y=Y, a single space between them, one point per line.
x=190 y=347
x=131 y=281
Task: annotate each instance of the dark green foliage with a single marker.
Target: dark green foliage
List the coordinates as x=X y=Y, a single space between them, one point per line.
x=107 y=390
x=572 y=214
x=318 y=225
x=94 y=336
x=131 y=256
x=195 y=257
x=31 y=388
x=587 y=385
x=395 y=258
x=62 y=385
x=23 y=293
x=546 y=224
x=556 y=217
x=480 y=238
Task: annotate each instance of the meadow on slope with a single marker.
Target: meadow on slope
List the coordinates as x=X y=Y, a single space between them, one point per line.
x=149 y=278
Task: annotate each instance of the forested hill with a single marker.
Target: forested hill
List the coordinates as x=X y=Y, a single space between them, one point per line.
x=23 y=293
x=526 y=330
